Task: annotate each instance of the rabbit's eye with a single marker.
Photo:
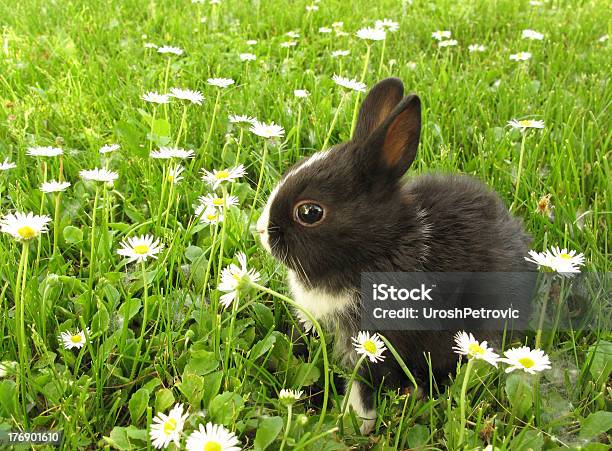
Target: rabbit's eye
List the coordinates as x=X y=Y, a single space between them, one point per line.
x=308 y=213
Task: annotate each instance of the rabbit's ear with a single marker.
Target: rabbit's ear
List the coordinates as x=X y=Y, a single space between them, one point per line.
x=377 y=106
x=392 y=147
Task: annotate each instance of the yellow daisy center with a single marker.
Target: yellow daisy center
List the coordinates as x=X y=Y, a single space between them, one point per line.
x=475 y=349
x=525 y=123
x=221 y=175
x=213 y=446
x=370 y=347
x=76 y=338
x=526 y=362
x=565 y=256
x=169 y=426
x=170 y=178
x=141 y=249
x=26 y=232
x=211 y=217
x=236 y=276
x=217 y=201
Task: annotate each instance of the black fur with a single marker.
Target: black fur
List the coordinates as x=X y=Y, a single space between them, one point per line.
x=377 y=222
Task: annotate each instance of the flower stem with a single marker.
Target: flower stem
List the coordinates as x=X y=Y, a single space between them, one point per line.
x=20 y=325
x=170 y=202
x=382 y=57
x=56 y=224
x=161 y=199
x=212 y=122
x=366 y=61
x=331 y=127
x=92 y=253
x=355 y=111
x=231 y=331
x=287 y=427
x=182 y=126
x=519 y=173
x=317 y=327
x=166 y=76
x=145 y=297
x=299 y=128
x=259 y=180
x=545 y=290
x=462 y=401
x=349 y=385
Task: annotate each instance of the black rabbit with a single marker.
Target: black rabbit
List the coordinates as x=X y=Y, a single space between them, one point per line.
x=347 y=210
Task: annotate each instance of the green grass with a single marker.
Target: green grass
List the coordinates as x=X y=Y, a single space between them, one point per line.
x=71 y=75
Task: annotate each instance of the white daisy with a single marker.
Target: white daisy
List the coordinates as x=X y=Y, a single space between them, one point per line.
x=215 y=2
x=165 y=153
x=54 y=186
x=168 y=428
x=267 y=130
x=214 y=201
x=467 y=345
x=155 y=97
x=387 y=24
x=288 y=44
x=524 y=124
x=349 y=84
x=109 y=148
x=288 y=396
x=533 y=35
x=247 y=57
x=325 y=30
x=341 y=33
x=520 y=56
x=371 y=34
x=440 y=35
x=170 y=49
x=337 y=24
x=292 y=34
x=44 y=151
x=234 y=277
x=448 y=43
x=212 y=437
x=217 y=177
x=338 y=53
x=476 y=48
x=99 y=175
x=24 y=227
x=557 y=260
x=150 y=45
x=73 y=340
x=565 y=260
x=187 y=94
x=251 y=42
x=604 y=38
x=220 y=82
x=536 y=3
x=369 y=345
x=238 y=119
x=6 y=165
x=301 y=93
x=174 y=174
x=312 y=8
x=528 y=360
x=208 y=215
x=140 y=248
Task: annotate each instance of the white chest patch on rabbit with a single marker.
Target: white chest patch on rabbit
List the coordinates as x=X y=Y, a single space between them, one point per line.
x=321 y=305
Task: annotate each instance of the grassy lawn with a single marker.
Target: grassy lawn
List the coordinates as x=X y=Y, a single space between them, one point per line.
x=72 y=76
